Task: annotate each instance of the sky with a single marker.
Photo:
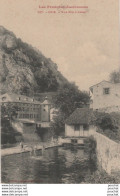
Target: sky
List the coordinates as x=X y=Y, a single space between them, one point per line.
x=85 y=46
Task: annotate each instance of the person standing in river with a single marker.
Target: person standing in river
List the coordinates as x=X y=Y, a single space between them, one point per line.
x=35 y=148
x=21 y=145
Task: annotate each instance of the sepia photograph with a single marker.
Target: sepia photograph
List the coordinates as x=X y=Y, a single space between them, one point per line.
x=60 y=92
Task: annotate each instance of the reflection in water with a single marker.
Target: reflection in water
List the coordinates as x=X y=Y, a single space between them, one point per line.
x=57 y=165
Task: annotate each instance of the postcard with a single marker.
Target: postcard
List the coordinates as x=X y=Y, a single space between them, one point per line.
x=60 y=94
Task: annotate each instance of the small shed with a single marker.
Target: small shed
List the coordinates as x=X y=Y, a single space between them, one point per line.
x=79 y=123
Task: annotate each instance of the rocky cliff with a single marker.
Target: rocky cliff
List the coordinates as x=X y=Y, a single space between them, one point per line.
x=24 y=69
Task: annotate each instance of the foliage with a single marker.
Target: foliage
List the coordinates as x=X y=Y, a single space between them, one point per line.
x=69 y=97
x=8 y=113
x=47 y=79
x=9 y=110
x=115 y=77
x=90 y=146
x=108 y=124
x=104 y=120
x=58 y=124
x=8 y=134
x=100 y=177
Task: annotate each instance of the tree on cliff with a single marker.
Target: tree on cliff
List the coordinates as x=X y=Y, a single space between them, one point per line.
x=115 y=77
x=67 y=99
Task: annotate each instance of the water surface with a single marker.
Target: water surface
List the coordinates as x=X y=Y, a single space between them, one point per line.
x=57 y=165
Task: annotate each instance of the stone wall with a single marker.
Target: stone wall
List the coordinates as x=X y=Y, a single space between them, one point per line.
x=108 y=153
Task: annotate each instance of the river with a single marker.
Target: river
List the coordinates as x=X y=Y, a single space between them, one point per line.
x=57 y=165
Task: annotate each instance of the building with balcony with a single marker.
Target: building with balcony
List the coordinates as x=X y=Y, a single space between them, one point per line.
x=28 y=109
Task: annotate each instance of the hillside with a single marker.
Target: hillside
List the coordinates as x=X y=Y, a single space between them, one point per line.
x=24 y=69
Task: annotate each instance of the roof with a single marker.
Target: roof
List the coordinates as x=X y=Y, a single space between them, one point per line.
x=103 y=81
x=100 y=83
x=41 y=96
x=80 y=116
x=11 y=97
x=46 y=101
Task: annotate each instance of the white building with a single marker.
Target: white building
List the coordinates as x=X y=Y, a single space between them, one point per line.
x=53 y=113
x=28 y=109
x=79 y=124
x=105 y=96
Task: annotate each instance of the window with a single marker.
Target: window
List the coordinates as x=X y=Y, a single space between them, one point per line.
x=106 y=91
x=85 y=127
x=77 y=127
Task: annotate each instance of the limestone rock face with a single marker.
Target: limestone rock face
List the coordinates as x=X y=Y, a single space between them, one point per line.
x=10 y=42
x=24 y=69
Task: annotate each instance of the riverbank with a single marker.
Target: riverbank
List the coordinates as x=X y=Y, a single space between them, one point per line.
x=101 y=177
x=18 y=150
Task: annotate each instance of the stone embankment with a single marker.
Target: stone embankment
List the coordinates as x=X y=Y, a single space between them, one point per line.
x=108 y=153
